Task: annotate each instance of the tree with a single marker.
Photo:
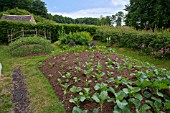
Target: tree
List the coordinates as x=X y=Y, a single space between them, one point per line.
x=38 y=8
x=113 y=19
x=119 y=18
x=148 y=14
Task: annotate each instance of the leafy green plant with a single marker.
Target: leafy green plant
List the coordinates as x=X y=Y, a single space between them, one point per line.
x=100 y=75
x=50 y=75
x=75 y=89
x=65 y=86
x=78 y=110
x=51 y=64
x=89 y=64
x=68 y=75
x=59 y=81
x=100 y=86
x=78 y=69
x=99 y=67
x=100 y=98
x=87 y=82
x=88 y=72
x=76 y=79
x=85 y=94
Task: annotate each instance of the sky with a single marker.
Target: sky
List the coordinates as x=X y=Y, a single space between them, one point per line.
x=85 y=8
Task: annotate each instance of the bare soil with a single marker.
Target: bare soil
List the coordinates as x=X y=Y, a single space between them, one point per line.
x=64 y=63
x=20 y=93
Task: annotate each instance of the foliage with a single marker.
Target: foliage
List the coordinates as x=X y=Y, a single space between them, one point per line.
x=37 y=18
x=36 y=7
x=79 y=38
x=30 y=45
x=34 y=80
x=7 y=26
x=148 y=42
x=146 y=14
x=149 y=85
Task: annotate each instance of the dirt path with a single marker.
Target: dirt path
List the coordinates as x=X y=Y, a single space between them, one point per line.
x=20 y=93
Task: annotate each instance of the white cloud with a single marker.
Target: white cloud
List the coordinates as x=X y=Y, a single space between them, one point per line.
x=96 y=12
x=120 y=2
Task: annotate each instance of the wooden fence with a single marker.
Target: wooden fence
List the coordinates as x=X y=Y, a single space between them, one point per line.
x=13 y=34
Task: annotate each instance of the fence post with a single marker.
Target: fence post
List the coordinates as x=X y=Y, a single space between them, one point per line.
x=11 y=35
x=50 y=36
x=44 y=33
x=36 y=32
x=22 y=30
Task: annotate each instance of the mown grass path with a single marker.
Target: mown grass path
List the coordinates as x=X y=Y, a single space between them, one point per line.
x=42 y=97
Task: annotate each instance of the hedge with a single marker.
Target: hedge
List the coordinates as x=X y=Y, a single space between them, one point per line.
x=156 y=43
x=7 y=26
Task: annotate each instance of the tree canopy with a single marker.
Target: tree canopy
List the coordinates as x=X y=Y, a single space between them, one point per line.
x=148 y=14
x=34 y=6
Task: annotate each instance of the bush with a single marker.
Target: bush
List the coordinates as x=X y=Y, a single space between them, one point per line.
x=30 y=46
x=79 y=38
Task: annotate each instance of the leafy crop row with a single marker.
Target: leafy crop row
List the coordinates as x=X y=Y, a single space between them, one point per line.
x=146 y=90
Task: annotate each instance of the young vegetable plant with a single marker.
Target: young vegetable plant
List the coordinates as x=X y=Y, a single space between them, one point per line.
x=110 y=62
x=110 y=73
x=50 y=75
x=88 y=72
x=100 y=98
x=86 y=94
x=76 y=79
x=68 y=75
x=75 y=89
x=65 y=86
x=59 y=81
x=87 y=82
x=100 y=75
x=99 y=67
x=63 y=58
x=88 y=64
x=100 y=86
x=51 y=64
x=78 y=69
x=78 y=110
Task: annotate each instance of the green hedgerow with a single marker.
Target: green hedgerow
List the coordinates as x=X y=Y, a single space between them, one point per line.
x=29 y=46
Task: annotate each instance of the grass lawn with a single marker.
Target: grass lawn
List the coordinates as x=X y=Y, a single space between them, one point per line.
x=42 y=96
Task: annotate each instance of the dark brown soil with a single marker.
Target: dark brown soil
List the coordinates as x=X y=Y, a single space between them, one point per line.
x=64 y=63
x=20 y=93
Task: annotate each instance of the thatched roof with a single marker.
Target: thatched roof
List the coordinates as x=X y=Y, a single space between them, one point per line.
x=27 y=18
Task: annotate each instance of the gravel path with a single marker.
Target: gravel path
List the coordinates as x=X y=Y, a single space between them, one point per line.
x=20 y=93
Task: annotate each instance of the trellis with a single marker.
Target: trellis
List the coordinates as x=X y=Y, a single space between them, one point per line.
x=13 y=34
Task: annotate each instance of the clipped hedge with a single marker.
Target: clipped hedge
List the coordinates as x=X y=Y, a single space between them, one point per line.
x=7 y=26
x=148 y=42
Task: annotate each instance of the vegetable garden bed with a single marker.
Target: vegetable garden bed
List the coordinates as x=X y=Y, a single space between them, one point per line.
x=104 y=82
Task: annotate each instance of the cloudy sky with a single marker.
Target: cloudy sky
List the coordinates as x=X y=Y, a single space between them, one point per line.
x=85 y=8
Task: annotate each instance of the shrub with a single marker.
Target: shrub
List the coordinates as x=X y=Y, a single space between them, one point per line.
x=30 y=46
x=79 y=38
